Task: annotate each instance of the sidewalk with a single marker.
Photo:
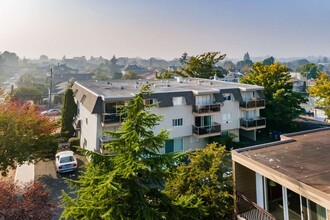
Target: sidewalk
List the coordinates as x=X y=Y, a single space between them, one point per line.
x=24 y=173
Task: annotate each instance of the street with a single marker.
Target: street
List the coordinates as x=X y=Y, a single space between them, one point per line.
x=55 y=182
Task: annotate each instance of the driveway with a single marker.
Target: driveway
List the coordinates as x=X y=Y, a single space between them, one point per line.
x=54 y=182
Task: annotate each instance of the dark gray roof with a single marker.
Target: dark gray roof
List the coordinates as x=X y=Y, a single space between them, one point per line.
x=163 y=90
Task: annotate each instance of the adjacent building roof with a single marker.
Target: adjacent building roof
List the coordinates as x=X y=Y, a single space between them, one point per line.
x=301 y=159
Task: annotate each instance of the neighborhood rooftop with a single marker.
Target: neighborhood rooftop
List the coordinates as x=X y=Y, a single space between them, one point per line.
x=128 y=88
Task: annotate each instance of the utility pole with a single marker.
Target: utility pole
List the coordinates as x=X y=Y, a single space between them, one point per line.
x=50 y=89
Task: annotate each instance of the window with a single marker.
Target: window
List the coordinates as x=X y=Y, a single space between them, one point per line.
x=177 y=122
x=149 y=101
x=204 y=100
x=179 y=100
x=78 y=109
x=83 y=98
x=174 y=145
x=227 y=97
x=86 y=121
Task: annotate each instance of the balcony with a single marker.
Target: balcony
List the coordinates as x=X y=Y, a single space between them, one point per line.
x=76 y=123
x=253 y=123
x=207 y=131
x=206 y=109
x=258 y=103
x=112 y=119
x=246 y=209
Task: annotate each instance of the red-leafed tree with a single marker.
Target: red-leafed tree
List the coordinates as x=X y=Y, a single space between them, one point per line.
x=24 y=135
x=28 y=202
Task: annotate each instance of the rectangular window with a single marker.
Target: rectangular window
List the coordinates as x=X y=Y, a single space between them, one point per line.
x=177 y=122
x=86 y=121
x=178 y=144
x=204 y=100
x=227 y=97
x=179 y=100
x=149 y=101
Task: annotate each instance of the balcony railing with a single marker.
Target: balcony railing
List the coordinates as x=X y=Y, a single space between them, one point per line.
x=200 y=109
x=110 y=118
x=211 y=130
x=250 y=210
x=258 y=103
x=253 y=122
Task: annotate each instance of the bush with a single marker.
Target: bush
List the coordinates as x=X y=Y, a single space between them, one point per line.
x=74 y=142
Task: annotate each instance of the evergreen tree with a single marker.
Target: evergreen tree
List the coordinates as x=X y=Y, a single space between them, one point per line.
x=205 y=178
x=126 y=184
x=69 y=110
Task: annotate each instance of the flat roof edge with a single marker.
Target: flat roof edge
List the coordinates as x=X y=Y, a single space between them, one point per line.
x=285 y=138
x=259 y=146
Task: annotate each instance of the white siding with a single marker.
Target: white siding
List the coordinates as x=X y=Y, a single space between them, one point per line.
x=89 y=130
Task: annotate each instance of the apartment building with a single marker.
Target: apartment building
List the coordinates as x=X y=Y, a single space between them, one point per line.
x=285 y=180
x=193 y=110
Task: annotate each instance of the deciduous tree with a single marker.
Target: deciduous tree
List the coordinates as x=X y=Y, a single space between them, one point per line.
x=126 y=183
x=282 y=104
x=31 y=202
x=207 y=179
x=321 y=90
x=24 y=135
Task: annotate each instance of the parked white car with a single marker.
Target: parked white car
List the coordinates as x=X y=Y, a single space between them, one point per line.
x=65 y=161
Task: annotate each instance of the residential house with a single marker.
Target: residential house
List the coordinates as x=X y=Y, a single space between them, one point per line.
x=193 y=110
x=287 y=179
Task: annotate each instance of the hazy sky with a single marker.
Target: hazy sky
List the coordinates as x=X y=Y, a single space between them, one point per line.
x=165 y=28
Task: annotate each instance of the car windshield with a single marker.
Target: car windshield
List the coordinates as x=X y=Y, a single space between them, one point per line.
x=66 y=159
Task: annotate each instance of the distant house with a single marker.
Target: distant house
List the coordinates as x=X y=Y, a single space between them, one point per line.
x=231 y=77
x=63 y=73
x=61 y=69
x=135 y=68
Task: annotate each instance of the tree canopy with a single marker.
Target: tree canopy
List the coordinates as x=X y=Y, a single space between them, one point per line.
x=126 y=183
x=205 y=178
x=69 y=110
x=29 y=202
x=309 y=70
x=202 y=66
x=268 y=61
x=282 y=104
x=24 y=135
x=321 y=90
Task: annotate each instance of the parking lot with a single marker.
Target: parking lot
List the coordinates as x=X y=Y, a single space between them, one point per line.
x=55 y=182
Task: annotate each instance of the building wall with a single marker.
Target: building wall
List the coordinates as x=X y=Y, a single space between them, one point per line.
x=88 y=129
x=175 y=112
x=232 y=108
x=245 y=181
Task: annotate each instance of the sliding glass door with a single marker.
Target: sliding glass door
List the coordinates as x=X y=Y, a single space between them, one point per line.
x=285 y=204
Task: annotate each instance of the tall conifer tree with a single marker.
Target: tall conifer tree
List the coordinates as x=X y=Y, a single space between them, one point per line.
x=69 y=110
x=126 y=183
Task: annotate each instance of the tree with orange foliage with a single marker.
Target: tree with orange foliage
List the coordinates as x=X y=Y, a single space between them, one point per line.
x=24 y=135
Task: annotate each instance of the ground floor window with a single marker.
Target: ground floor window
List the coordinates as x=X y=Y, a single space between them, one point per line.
x=174 y=145
x=285 y=204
